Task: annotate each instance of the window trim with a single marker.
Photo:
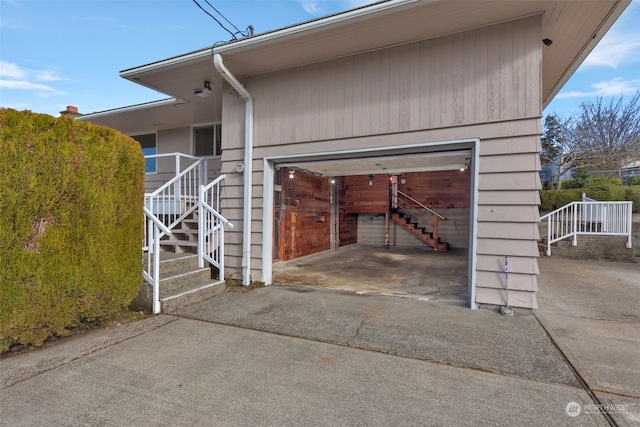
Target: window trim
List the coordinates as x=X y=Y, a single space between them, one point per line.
x=192 y=138
x=155 y=133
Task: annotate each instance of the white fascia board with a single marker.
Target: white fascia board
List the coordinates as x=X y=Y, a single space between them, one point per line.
x=317 y=25
x=270 y=37
x=130 y=73
x=604 y=28
x=130 y=108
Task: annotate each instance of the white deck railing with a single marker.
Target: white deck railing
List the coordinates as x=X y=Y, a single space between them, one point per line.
x=589 y=217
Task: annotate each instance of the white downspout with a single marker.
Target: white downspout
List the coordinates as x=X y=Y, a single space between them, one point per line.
x=248 y=165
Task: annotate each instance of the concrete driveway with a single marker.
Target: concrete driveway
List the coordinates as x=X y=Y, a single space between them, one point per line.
x=592 y=312
x=300 y=356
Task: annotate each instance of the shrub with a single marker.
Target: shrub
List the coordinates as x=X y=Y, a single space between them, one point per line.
x=554 y=199
x=633 y=180
x=581 y=179
x=71 y=197
x=605 y=192
x=632 y=194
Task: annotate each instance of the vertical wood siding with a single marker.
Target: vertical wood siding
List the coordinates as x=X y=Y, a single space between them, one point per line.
x=490 y=74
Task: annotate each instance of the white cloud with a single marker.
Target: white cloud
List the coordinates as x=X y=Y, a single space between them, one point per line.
x=615 y=50
x=357 y=3
x=314 y=7
x=46 y=76
x=311 y=6
x=11 y=71
x=15 y=77
x=613 y=87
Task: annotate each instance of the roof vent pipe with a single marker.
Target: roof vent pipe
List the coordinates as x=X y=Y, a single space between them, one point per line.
x=248 y=165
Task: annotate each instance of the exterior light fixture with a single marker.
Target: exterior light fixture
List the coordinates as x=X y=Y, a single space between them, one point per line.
x=547 y=42
x=370 y=179
x=205 y=91
x=291 y=173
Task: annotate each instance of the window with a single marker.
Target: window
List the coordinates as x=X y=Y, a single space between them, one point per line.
x=207 y=140
x=148 y=145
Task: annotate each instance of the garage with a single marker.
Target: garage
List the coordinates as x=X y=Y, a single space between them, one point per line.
x=393 y=224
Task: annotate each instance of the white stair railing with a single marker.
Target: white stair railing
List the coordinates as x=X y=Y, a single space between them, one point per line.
x=177 y=198
x=211 y=227
x=167 y=207
x=589 y=218
x=154 y=229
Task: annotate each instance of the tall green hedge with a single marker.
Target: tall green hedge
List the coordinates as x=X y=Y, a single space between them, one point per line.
x=71 y=197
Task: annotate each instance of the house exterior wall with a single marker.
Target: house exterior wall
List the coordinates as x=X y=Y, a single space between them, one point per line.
x=484 y=84
x=176 y=140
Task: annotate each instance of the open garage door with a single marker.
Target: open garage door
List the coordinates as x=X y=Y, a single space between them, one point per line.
x=366 y=224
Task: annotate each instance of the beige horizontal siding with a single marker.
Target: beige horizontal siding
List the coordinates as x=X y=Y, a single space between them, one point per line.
x=510 y=163
x=485 y=295
x=508 y=247
x=512 y=197
x=508 y=213
x=509 y=181
x=498 y=280
x=512 y=145
x=493 y=263
x=509 y=230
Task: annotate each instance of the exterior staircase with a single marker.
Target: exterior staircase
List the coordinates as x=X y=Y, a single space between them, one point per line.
x=182 y=283
x=184 y=237
x=413 y=226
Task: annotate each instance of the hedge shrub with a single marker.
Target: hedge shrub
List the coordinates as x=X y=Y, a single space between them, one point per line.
x=71 y=197
x=603 y=192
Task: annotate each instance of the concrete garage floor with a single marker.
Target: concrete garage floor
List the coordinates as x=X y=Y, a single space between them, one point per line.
x=399 y=271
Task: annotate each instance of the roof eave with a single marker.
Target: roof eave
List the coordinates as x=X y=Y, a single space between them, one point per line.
x=271 y=37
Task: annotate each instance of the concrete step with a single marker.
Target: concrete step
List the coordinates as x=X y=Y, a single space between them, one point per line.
x=177 y=263
x=179 y=246
x=192 y=296
x=181 y=284
x=178 y=282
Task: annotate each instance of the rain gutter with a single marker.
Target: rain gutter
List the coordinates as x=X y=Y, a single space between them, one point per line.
x=248 y=165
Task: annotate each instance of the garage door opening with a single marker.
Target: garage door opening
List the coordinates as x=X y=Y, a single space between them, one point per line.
x=393 y=225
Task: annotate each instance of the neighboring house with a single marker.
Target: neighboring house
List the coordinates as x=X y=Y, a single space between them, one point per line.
x=412 y=89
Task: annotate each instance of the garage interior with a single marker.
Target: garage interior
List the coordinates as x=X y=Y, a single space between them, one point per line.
x=392 y=225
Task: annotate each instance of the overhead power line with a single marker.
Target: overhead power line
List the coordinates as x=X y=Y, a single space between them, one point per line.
x=215 y=19
x=246 y=33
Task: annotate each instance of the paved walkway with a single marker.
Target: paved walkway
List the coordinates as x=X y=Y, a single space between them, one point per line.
x=299 y=356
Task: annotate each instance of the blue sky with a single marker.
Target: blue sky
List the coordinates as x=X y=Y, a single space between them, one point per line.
x=58 y=53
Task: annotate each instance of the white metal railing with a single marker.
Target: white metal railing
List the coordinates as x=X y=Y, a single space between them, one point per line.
x=170 y=204
x=177 y=198
x=211 y=226
x=154 y=229
x=589 y=217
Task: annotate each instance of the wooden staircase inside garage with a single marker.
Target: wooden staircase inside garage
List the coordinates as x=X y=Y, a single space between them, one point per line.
x=414 y=226
x=417 y=218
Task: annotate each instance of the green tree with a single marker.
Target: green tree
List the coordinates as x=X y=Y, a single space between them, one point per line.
x=557 y=149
